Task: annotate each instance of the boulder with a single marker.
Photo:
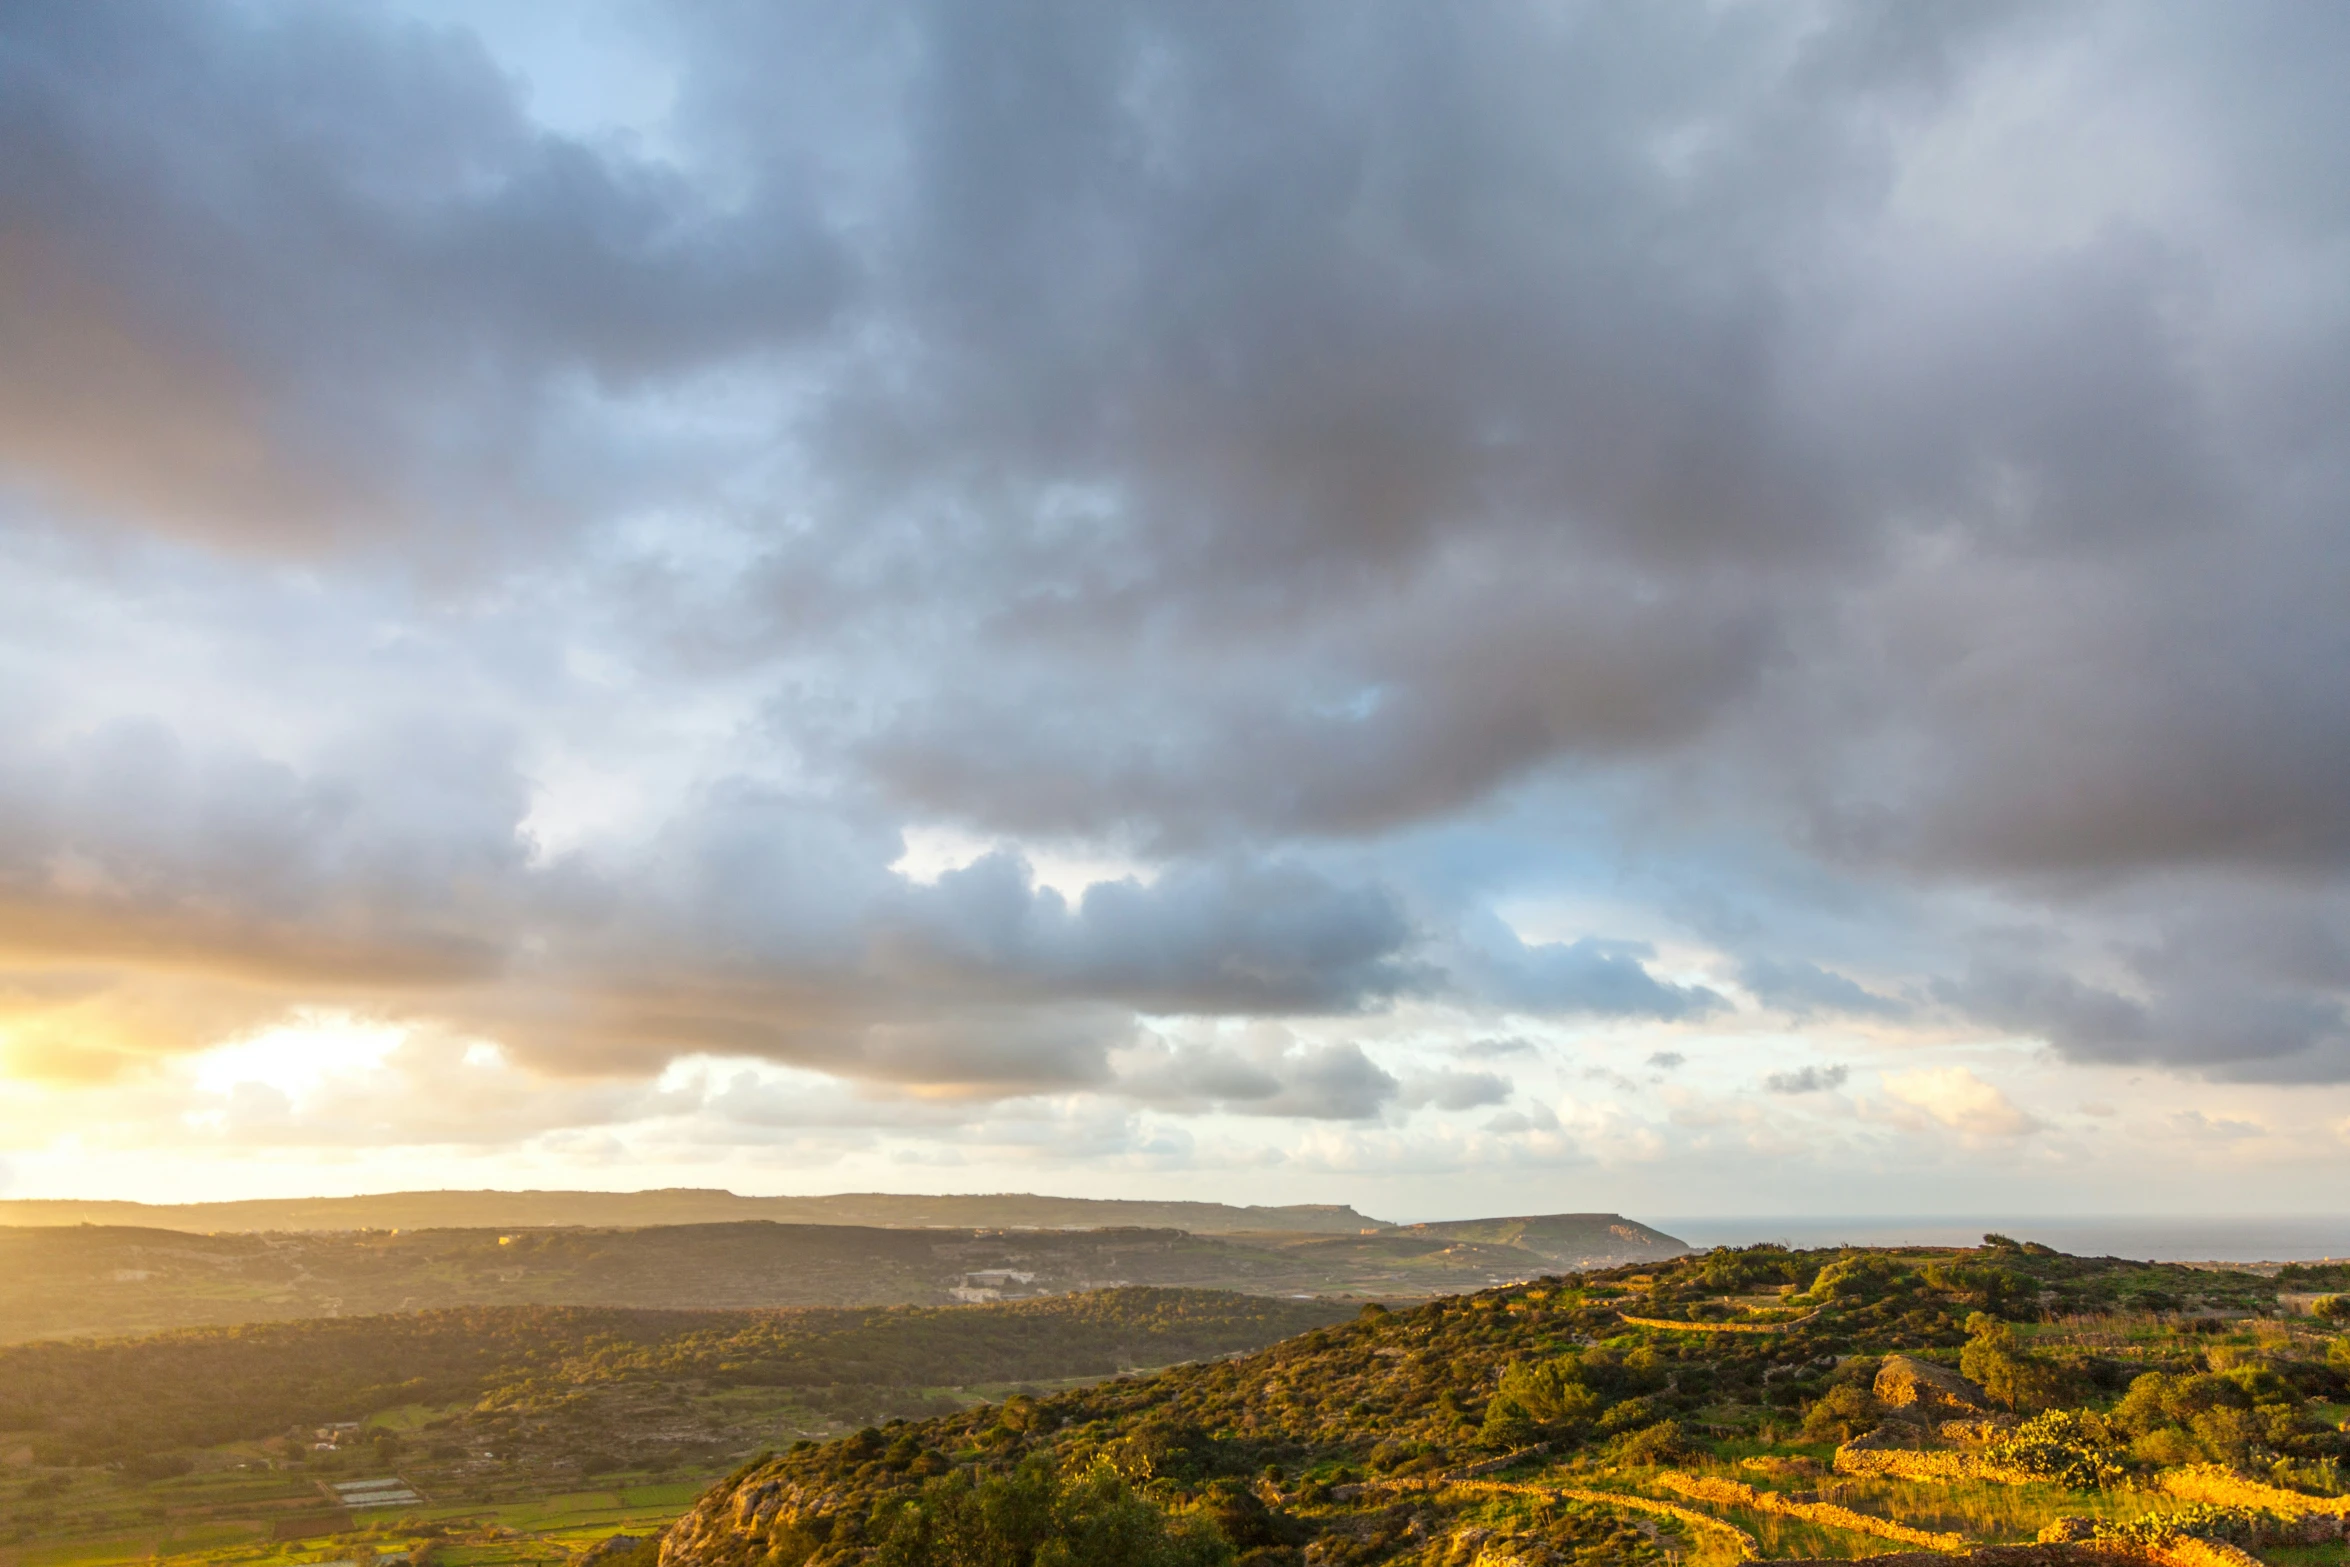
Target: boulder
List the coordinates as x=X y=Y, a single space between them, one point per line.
x=1920 y=1390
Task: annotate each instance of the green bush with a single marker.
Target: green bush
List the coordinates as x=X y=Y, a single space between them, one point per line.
x=1732 y=1269
x=1861 y=1277
x=1536 y=1401
x=1030 y=1519
x=1661 y=1443
x=1842 y=1413
x=2197 y=1521
x=2070 y=1446
x=2008 y=1371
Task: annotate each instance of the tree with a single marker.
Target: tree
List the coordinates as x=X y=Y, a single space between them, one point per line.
x=2009 y=1372
x=1842 y=1413
x=1535 y=1401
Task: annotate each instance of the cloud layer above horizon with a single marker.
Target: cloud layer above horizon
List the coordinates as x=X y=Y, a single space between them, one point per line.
x=1155 y=588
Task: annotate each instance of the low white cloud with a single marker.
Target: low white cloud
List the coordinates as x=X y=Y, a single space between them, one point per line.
x=1956 y=1098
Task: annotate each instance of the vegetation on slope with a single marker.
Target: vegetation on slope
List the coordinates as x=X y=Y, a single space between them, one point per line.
x=1354 y=1438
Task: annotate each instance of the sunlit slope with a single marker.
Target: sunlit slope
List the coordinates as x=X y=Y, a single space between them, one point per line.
x=1684 y=1411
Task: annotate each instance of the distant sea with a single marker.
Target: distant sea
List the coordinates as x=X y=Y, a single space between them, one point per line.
x=2221 y=1238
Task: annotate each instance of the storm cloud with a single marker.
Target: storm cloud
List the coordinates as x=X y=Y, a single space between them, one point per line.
x=1614 y=517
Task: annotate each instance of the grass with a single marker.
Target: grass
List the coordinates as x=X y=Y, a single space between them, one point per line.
x=1982 y=1511
x=2336 y=1554
x=1781 y=1536
x=1778 y=1536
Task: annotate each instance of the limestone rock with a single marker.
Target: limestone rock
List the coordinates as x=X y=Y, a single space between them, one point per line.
x=1920 y=1390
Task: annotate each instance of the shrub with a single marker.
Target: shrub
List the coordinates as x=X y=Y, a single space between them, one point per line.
x=2071 y=1447
x=1741 y=1268
x=2008 y=1371
x=1535 y=1401
x=2196 y=1521
x=1862 y=1277
x=1029 y=1517
x=2316 y=1476
x=2227 y=1435
x=1842 y=1413
x=2156 y=1400
x=1244 y=1520
x=1661 y=1443
x=2164 y=1446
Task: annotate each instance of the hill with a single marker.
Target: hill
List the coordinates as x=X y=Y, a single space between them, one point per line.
x=614 y=1210
x=1571 y=1242
x=1682 y=1410
x=62 y=1281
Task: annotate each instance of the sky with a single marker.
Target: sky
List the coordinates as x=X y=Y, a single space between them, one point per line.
x=1681 y=608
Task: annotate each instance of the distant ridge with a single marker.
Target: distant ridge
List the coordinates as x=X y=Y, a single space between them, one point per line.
x=687 y=1205
x=77 y=1269
x=1571 y=1240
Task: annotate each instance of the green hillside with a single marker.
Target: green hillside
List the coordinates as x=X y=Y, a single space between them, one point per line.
x=1644 y=1415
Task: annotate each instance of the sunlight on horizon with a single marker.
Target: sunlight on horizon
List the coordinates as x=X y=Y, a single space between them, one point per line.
x=297 y=1058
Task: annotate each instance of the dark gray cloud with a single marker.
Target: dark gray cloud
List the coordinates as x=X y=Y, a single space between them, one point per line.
x=1809 y=1080
x=1456 y=1090
x=285 y=274
x=1800 y=988
x=1335 y=1082
x=2226 y=1024
x=394 y=861
x=1590 y=976
x=1908 y=446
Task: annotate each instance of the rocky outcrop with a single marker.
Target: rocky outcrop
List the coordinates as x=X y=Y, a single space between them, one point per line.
x=736 y=1525
x=1920 y=1390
